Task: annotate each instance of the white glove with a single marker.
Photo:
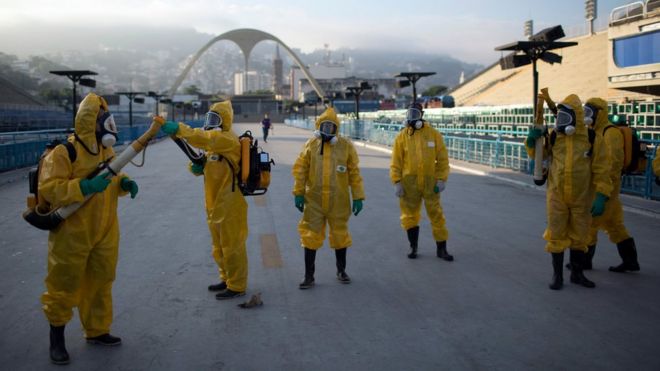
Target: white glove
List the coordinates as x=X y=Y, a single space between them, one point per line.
x=398 y=189
x=440 y=185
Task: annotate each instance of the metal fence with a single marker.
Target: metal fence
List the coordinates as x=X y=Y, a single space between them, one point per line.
x=495 y=148
x=24 y=148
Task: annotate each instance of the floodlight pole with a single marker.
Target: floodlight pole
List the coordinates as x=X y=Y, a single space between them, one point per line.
x=357 y=91
x=413 y=77
x=535 y=75
x=130 y=95
x=74 y=76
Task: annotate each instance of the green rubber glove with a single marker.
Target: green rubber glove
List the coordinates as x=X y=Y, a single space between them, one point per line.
x=357 y=207
x=598 y=206
x=532 y=136
x=170 y=128
x=97 y=184
x=197 y=169
x=129 y=185
x=300 y=202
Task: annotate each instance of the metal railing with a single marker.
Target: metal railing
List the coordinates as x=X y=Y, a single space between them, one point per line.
x=24 y=148
x=495 y=148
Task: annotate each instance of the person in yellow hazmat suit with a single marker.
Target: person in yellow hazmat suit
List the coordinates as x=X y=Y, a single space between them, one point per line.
x=83 y=250
x=419 y=169
x=226 y=209
x=324 y=171
x=595 y=114
x=577 y=169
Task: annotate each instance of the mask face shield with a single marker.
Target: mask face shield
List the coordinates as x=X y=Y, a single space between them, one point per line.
x=565 y=120
x=413 y=115
x=590 y=113
x=107 y=130
x=213 y=121
x=328 y=130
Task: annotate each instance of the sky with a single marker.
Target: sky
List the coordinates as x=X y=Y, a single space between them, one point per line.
x=465 y=29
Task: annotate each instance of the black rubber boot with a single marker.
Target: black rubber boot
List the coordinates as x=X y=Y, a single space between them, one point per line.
x=340 y=254
x=310 y=257
x=577 y=276
x=589 y=257
x=218 y=286
x=105 y=339
x=58 y=353
x=413 y=237
x=441 y=251
x=628 y=253
x=229 y=294
x=558 y=276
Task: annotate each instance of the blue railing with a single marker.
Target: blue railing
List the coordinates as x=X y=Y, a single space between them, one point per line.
x=24 y=148
x=495 y=148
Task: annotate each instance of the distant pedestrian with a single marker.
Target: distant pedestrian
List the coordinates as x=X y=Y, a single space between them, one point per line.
x=266 y=126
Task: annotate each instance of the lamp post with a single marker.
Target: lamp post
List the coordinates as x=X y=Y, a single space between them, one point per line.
x=357 y=91
x=77 y=76
x=411 y=79
x=157 y=97
x=131 y=95
x=538 y=47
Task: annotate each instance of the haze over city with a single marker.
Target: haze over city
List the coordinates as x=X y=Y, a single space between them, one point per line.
x=466 y=30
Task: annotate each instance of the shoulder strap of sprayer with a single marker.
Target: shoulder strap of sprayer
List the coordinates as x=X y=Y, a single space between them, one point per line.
x=233 y=172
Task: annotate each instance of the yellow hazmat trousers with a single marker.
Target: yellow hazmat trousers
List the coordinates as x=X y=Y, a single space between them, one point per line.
x=226 y=209
x=324 y=180
x=612 y=219
x=419 y=160
x=83 y=249
x=572 y=178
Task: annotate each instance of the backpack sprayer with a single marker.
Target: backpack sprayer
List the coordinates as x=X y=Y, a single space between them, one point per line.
x=53 y=218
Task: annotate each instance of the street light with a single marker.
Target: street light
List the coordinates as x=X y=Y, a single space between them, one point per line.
x=77 y=76
x=131 y=95
x=538 y=47
x=357 y=91
x=157 y=97
x=411 y=79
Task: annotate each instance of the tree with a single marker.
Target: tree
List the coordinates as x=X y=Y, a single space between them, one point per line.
x=192 y=90
x=434 y=90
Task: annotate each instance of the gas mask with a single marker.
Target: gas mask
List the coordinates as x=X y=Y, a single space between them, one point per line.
x=414 y=117
x=590 y=114
x=213 y=121
x=565 y=120
x=327 y=132
x=106 y=132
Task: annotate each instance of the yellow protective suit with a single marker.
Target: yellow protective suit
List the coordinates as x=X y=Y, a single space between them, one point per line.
x=656 y=162
x=612 y=219
x=572 y=178
x=419 y=160
x=324 y=180
x=226 y=209
x=82 y=251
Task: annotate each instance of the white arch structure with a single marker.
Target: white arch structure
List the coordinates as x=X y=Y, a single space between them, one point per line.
x=246 y=39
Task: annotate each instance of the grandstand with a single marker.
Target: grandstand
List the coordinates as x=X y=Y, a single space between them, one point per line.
x=20 y=111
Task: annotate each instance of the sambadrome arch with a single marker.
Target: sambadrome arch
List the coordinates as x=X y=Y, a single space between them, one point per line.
x=246 y=39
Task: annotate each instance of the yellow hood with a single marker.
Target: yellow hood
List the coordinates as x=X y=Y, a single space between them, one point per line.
x=328 y=115
x=573 y=101
x=601 y=117
x=86 y=118
x=226 y=113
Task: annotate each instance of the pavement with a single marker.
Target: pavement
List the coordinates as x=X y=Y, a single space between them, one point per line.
x=490 y=309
